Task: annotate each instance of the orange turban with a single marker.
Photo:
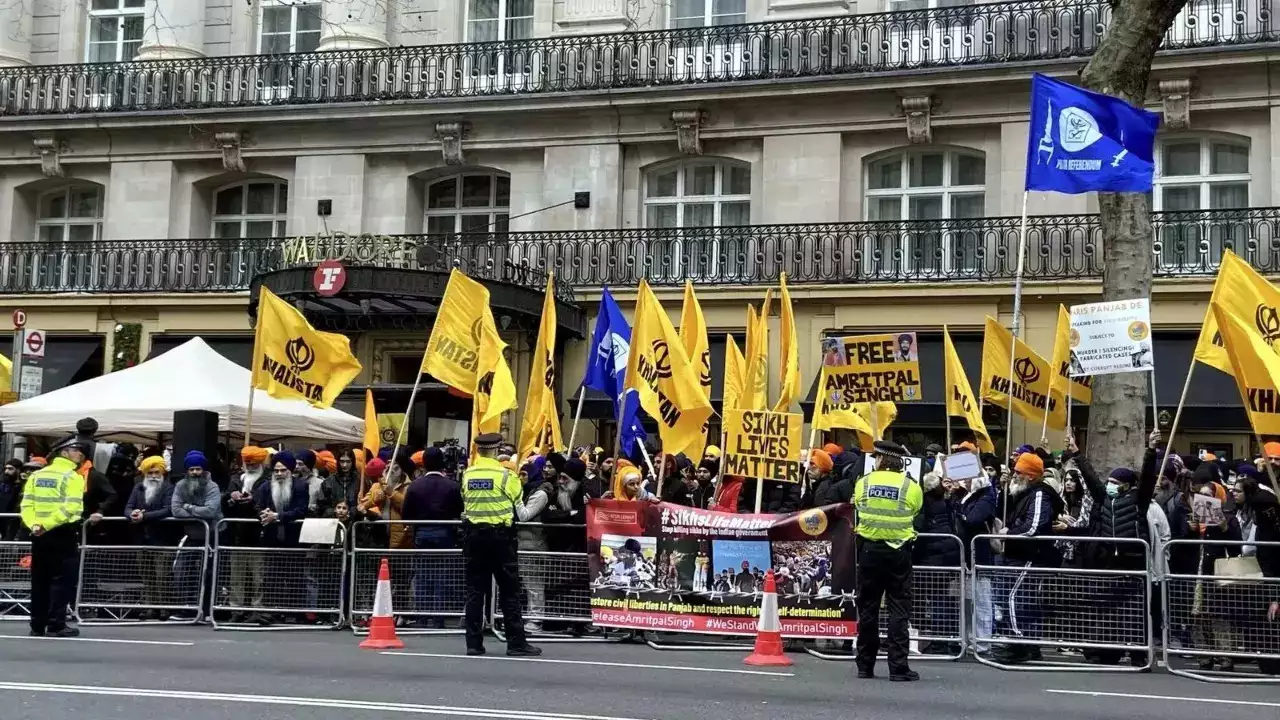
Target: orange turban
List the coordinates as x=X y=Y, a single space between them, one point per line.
x=1029 y=464
x=417 y=458
x=253 y=455
x=832 y=449
x=326 y=461
x=1271 y=450
x=821 y=459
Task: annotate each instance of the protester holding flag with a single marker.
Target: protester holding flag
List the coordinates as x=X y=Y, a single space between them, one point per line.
x=606 y=373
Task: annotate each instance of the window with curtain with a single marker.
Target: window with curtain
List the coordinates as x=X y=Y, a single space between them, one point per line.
x=933 y=192
x=252 y=209
x=114 y=30
x=1195 y=174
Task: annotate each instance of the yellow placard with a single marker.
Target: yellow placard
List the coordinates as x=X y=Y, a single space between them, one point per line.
x=763 y=445
x=872 y=368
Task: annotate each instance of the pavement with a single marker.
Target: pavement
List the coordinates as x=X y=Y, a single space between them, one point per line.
x=201 y=674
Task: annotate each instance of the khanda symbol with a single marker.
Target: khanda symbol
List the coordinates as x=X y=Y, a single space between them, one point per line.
x=759 y=374
x=1268 y=323
x=301 y=356
x=705 y=376
x=549 y=378
x=1026 y=371
x=662 y=358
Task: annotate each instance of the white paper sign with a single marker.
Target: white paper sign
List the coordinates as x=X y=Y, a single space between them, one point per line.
x=319 y=531
x=1111 y=337
x=962 y=466
x=914 y=466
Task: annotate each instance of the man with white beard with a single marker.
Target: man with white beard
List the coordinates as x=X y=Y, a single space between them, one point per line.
x=148 y=507
x=196 y=498
x=245 y=530
x=282 y=505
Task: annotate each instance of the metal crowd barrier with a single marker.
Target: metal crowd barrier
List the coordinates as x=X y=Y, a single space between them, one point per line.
x=158 y=578
x=937 y=609
x=267 y=585
x=1039 y=605
x=555 y=597
x=428 y=584
x=1218 y=620
x=15 y=569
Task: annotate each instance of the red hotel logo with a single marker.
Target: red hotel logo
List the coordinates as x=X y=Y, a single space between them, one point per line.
x=617 y=517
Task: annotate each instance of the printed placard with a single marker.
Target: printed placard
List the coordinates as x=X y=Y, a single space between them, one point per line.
x=1111 y=337
x=763 y=445
x=872 y=368
x=912 y=466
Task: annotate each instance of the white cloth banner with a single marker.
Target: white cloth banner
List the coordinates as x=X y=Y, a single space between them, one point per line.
x=1111 y=337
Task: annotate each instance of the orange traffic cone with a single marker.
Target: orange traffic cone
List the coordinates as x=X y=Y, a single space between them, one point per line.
x=382 y=627
x=768 y=650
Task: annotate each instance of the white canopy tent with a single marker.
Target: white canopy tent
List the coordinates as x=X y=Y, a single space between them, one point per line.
x=138 y=404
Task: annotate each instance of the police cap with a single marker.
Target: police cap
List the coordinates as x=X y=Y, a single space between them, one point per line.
x=890 y=449
x=489 y=440
x=77 y=442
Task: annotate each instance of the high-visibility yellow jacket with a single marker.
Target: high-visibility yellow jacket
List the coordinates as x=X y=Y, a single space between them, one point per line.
x=887 y=503
x=490 y=493
x=53 y=495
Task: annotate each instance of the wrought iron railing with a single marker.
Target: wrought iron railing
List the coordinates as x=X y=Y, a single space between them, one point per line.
x=968 y=35
x=1062 y=247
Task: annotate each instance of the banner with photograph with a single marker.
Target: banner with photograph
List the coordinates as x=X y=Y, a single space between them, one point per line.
x=671 y=568
x=1111 y=337
x=872 y=368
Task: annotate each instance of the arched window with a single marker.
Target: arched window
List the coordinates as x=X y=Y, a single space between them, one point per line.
x=72 y=213
x=1194 y=174
x=933 y=191
x=251 y=209
x=698 y=193
x=471 y=202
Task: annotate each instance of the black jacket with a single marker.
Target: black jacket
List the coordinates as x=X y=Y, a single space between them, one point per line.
x=779 y=497
x=1032 y=514
x=936 y=517
x=243 y=534
x=1123 y=516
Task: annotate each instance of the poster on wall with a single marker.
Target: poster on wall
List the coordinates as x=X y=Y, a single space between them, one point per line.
x=1111 y=337
x=671 y=568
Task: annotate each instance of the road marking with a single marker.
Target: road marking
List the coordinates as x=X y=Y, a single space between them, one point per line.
x=117 y=641
x=1170 y=698
x=731 y=671
x=301 y=702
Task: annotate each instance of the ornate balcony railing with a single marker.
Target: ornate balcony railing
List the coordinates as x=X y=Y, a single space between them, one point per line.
x=1063 y=247
x=952 y=36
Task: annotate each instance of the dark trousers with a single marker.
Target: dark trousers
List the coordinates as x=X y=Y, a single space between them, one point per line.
x=489 y=553
x=55 y=564
x=883 y=572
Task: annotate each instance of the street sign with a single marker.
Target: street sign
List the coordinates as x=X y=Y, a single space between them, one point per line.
x=19 y=319
x=32 y=382
x=329 y=278
x=33 y=343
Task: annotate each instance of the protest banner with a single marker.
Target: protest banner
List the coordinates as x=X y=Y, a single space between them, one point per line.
x=763 y=445
x=1111 y=337
x=658 y=566
x=912 y=466
x=871 y=368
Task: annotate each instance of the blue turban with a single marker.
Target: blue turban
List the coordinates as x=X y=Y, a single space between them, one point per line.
x=286 y=458
x=308 y=458
x=195 y=458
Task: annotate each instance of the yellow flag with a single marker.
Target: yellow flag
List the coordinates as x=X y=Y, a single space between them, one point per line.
x=693 y=335
x=291 y=359
x=465 y=352
x=6 y=373
x=1240 y=291
x=372 y=438
x=757 y=376
x=735 y=368
x=1081 y=387
x=961 y=402
x=656 y=370
x=1031 y=376
x=1256 y=368
x=790 y=351
x=540 y=428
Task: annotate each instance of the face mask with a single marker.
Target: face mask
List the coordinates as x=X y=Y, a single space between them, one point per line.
x=1112 y=489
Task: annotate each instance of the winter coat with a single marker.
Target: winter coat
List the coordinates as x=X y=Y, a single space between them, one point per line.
x=338 y=488
x=568 y=508
x=152 y=530
x=288 y=526
x=975 y=516
x=1031 y=515
x=726 y=495
x=779 y=497
x=201 y=504
x=1123 y=516
x=1266 y=523
x=242 y=534
x=936 y=517
x=10 y=503
x=1193 y=559
x=535 y=501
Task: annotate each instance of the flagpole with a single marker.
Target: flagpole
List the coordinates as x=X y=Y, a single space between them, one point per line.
x=1177 y=417
x=573 y=432
x=1017 y=313
x=648 y=461
x=404 y=423
x=257 y=343
x=1155 y=407
x=248 y=413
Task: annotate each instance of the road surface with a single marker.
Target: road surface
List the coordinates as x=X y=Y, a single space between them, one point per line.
x=200 y=674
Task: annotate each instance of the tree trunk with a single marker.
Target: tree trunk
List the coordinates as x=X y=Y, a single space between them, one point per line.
x=1121 y=67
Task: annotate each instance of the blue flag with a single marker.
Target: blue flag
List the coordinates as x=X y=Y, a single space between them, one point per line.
x=1082 y=141
x=607 y=368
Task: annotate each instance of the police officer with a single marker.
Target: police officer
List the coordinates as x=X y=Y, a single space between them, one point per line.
x=52 y=502
x=887 y=502
x=491 y=502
